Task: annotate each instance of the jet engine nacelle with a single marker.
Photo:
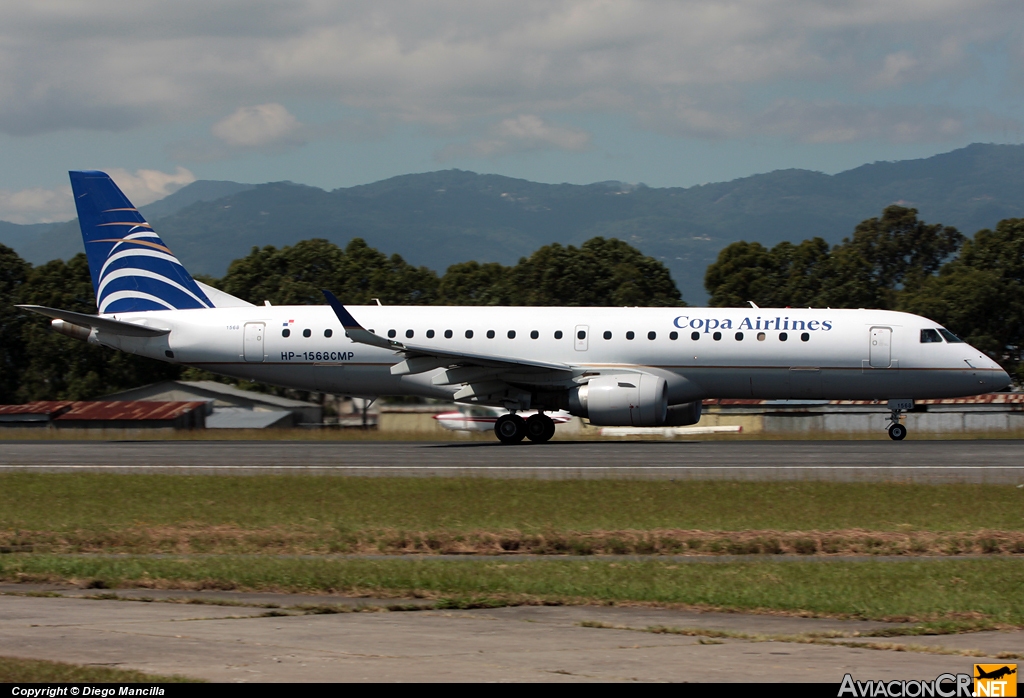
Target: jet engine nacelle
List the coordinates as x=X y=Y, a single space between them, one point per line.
x=622 y=400
x=683 y=415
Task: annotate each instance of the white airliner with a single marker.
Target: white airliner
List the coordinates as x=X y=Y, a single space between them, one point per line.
x=613 y=366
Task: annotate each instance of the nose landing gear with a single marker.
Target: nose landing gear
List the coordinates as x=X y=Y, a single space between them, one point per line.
x=898 y=432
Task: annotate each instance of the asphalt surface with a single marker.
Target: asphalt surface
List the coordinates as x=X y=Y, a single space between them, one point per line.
x=983 y=461
x=525 y=644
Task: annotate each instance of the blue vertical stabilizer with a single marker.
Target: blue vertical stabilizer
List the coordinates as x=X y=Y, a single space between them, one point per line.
x=132 y=269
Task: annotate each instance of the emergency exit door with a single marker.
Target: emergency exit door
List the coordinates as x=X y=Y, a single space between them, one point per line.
x=252 y=345
x=880 y=350
x=582 y=339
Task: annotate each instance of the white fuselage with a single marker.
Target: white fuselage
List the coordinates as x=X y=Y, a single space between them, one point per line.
x=781 y=353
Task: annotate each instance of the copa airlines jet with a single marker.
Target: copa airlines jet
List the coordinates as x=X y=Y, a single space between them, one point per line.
x=613 y=366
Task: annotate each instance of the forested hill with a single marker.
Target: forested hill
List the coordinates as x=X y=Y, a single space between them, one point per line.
x=440 y=218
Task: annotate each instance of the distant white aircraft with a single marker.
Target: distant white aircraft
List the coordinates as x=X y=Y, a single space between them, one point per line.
x=613 y=366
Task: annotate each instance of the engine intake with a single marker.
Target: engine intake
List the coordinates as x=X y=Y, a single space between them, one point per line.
x=622 y=400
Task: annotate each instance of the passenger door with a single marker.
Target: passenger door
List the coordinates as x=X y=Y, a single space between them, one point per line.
x=252 y=344
x=880 y=350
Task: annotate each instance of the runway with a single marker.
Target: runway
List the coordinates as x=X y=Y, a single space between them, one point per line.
x=981 y=461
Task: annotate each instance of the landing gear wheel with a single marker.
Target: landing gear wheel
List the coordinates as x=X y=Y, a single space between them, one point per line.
x=510 y=428
x=540 y=428
x=897 y=432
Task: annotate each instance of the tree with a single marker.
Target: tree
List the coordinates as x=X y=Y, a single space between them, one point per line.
x=58 y=367
x=979 y=295
x=295 y=275
x=885 y=257
x=13 y=270
x=599 y=272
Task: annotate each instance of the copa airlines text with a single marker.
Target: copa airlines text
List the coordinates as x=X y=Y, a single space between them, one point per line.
x=614 y=366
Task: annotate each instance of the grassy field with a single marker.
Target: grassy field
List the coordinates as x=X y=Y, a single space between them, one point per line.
x=35 y=502
x=15 y=670
x=75 y=513
x=986 y=591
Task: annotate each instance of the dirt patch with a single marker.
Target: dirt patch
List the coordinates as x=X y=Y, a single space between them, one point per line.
x=200 y=539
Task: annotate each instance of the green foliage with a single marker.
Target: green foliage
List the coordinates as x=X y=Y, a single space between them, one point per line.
x=13 y=271
x=886 y=256
x=296 y=275
x=980 y=295
x=58 y=367
x=599 y=272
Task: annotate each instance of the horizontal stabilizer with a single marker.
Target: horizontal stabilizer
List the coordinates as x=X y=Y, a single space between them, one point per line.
x=101 y=324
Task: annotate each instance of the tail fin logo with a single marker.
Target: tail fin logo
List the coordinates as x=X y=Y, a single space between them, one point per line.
x=133 y=272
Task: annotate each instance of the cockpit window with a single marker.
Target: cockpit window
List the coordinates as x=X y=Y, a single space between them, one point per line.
x=929 y=336
x=950 y=337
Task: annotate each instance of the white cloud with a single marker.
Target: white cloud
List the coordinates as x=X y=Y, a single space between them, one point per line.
x=39 y=205
x=522 y=133
x=257 y=127
x=451 y=63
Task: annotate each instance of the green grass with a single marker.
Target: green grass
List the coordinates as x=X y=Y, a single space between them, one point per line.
x=101 y=502
x=15 y=670
x=936 y=590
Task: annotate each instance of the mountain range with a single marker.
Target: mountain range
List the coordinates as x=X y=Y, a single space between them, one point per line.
x=440 y=218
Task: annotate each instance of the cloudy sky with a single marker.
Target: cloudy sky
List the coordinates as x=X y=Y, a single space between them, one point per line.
x=332 y=94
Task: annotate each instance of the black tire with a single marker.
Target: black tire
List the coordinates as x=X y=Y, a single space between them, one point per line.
x=510 y=428
x=897 y=432
x=540 y=428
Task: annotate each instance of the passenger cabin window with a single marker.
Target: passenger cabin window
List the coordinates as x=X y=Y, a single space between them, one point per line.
x=950 y=337
x=582 y=334
x=409 y=334
x=307 y=333
x=695 y=336
x=490 y=334
x=716 y=336
x=328 y=333
x=652 y=335
x=447 y=334
x=783 y=336
x=930 y=336
x=286 y=332
x=606 y=335
x=673 y=336
x=558 y=334
x=630 y=335
x=739 y=336
x=469 y=334
x=760 y=336
x=534 y=334
x=430 y=334
x=391 y=334
x=805 y=337
x=511 y=334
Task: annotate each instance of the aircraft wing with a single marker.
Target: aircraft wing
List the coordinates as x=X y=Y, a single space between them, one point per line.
x=128 y=329
x=463 y=367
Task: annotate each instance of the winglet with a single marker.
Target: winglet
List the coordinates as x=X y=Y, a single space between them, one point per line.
x=354 y=330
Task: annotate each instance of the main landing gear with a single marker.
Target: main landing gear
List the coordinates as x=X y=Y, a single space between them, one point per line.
x=511 y=428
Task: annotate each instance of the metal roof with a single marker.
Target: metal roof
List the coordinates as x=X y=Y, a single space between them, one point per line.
x=46 y=407
x=136 y=410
